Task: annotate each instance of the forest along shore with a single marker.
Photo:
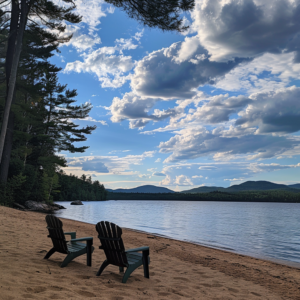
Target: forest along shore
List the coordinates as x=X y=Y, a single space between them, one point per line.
x=244 y=196
x=178 y=270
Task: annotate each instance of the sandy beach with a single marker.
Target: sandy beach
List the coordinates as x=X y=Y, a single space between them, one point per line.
x=178 y=270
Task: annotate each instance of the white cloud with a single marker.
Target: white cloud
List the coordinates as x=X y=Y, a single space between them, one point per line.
x=216 y=173
x=108 y=67
x=183 y=180
x=235 y=179
x=247 y=28
x=217 y=109
x=167 y=181
x=273 y=112
x=144 y=176
x=265 y=73
x=198 y=142
x=135 y=108
x=125 y=44
x=90 y=119
x=172 y=72
x=80 y=41
x=107 y=63
x=108 y=164
x=92 y=12
x=138 y=35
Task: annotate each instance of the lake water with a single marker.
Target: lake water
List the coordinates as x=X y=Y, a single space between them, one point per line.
x=263 y=230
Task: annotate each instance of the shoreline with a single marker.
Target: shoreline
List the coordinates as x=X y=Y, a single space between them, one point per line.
x=178 y=269
x=262 y=257
x=266 y=258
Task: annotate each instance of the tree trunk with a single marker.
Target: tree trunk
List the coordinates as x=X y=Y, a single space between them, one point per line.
x=12 y=68
x=7 y=149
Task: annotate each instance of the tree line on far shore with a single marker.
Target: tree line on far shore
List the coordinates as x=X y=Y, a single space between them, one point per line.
x=63 y=188
x=83 y=188
x=246 y=196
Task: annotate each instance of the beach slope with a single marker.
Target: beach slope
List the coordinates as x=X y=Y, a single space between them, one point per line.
x=178 y=270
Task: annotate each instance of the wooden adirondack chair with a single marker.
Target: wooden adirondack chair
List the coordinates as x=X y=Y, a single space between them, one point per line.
x=72 y=248
x=112 y=244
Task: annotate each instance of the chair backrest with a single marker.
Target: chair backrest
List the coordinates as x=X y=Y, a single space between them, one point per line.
x=112 y=243
x=54 y=226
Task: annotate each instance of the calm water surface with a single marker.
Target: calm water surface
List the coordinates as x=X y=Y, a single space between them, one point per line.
x=265 y=230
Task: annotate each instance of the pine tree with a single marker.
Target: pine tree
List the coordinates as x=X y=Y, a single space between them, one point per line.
x=44 y=112
x=23 y=15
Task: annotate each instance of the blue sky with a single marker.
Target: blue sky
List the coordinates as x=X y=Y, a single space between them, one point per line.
x=217 y=105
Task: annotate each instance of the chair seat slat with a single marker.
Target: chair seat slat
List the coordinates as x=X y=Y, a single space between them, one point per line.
x=76 y=247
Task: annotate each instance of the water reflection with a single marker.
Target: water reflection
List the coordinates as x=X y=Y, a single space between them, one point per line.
x=257 y=229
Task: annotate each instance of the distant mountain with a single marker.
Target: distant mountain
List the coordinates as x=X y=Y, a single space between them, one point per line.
x=205 y=189
x=294 y=186
x=257 y=186
x=143 y=189
x=246 y=186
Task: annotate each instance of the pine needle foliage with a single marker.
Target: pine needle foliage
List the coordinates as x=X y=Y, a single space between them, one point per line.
x=164 y=14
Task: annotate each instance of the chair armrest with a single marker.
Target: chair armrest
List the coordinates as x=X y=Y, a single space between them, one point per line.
x=138 y=249
x=82 y=239
x=71 y=233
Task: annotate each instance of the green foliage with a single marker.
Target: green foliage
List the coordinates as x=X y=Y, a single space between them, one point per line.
x=44 y=110
x=164 y=14
x=249 y=196
x=73 y=188
x=12 y=191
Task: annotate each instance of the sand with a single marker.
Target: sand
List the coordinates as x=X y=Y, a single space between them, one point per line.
x=178 y=270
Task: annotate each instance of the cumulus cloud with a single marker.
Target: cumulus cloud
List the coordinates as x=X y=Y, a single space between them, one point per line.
x=183 y=180
x=215 y=173
x=108 y=164
x=218 y=109
x=144 y=176
x=273 y=112
x=108 y=63
x=248 y=28
x=197 y=142
x=92 y=165
x=265 y=73
x=177 y=71
x=79 y=40
x=167 y=181
x=92 y=13
x=260 y=113
x=130 y=107
x=135 y=108
x=103 y=62
x=90 y=119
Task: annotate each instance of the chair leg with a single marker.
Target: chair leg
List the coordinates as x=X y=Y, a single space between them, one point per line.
x=50 y=252
x=146 y=263
x=103 y=266
x=68 y=259
x=121 y=269
x=127 y=273
x=89 y=251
